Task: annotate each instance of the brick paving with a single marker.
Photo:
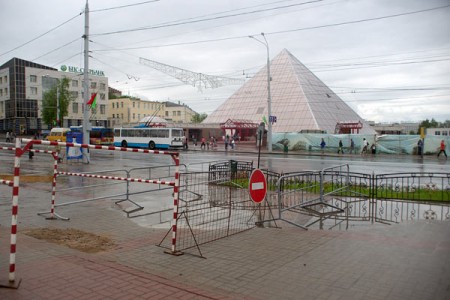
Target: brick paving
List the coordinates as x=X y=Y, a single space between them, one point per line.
x=399 y=261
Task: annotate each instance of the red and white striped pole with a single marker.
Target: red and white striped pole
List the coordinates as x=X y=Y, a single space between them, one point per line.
x=55 y=174
x=15 y=211
x=176 y=189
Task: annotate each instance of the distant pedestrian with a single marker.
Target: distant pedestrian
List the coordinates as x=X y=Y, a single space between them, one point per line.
x=185 y=143
x=373 y=149
x=227 y=141
x=8 y=138
x=203 y=143
x=322 y=145
x=365 y=146
x=341 y=149
x=442 y=149
x=419 y=147
x=352 y=146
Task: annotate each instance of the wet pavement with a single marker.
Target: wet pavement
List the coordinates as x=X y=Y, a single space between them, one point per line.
x=410 y=260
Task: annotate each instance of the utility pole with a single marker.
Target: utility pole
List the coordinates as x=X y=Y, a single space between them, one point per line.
x=86 y=123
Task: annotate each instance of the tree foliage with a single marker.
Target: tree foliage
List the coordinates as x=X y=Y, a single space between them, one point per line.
x=198 y=118
x=49 y=102
x=434 y=124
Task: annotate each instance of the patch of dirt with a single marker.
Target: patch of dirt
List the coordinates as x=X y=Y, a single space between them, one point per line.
x=29 y=178
x=73 y=238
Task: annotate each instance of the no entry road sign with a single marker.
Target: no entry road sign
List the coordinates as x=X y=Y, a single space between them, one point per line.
x=257 y=186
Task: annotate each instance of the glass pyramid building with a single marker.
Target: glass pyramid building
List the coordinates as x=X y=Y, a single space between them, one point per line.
x=301 y=102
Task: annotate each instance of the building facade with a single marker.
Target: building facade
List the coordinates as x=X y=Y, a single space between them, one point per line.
x=23 y=85
x=125 y=111
x=178 y=113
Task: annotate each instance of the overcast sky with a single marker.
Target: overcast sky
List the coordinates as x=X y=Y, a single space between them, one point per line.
x=388 y=59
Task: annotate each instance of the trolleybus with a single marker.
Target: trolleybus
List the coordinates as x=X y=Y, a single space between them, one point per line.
x=149 y=137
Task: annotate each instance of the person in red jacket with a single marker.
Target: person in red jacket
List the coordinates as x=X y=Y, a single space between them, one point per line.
x=442 y=149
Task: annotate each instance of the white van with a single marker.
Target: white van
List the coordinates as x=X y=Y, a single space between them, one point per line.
x=58 y=134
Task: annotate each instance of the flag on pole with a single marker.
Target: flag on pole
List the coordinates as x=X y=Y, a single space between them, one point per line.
x=93 y=101
x=264 y=120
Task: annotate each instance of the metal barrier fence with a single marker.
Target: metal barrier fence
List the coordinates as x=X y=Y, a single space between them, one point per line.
x=213 y=205
x=311 y=197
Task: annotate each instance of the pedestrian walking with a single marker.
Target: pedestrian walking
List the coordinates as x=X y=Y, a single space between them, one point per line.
x=352 y=146
x=373 y=149
x=365 y=147
x=8 y=138
x=419 y=147
x=340 y=149
x=322 y=145
x=442 y=149
x=203 y=143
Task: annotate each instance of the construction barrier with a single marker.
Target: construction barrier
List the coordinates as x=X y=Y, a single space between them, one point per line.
x=15 y=184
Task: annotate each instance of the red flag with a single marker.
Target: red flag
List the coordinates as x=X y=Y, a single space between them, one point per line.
x=93 y=101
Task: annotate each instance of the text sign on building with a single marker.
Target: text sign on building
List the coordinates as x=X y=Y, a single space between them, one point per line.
x=257 y=186
x=72 y=69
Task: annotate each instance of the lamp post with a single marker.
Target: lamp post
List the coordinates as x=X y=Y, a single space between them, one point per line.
x=57 y=106
x=269 y=99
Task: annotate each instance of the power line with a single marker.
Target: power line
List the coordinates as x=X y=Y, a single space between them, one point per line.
x=266 y=33
x=123 y=6
x=177 y=23
x=41 y=35
x=51 y=51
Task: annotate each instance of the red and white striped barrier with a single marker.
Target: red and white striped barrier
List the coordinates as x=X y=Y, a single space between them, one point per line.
x=176 y=184
x=175 y=206
x=15 y=184
x=14 y=213
x=100 y=147
x=6 y=182
x=170 y=183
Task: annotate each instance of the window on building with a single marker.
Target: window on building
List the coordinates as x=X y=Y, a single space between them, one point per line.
x=102 y=86
x=102 y=96
x=444 y=132
x=74 y=83
x=167 y=113
x=74 y=94
x=133 y=104
x=438 y=132
x=33 y=78
x=102 y=109
x=121 y=104
x=93 y=85
x=75 y=107
x=6 y=91
x=113 y=105
x=5 y=79
x=1 y=92
x=1 y=80
x=174 y=113
x=113 y=116
x=134 y=116
x=33 y=90
x=179 y=113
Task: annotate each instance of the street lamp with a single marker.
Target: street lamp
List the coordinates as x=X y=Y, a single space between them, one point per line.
x=269 y=99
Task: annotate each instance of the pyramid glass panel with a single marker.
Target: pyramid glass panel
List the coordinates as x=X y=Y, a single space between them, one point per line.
x=299 y=100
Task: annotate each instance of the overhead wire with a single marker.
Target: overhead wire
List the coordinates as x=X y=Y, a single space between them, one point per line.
x=41 y=35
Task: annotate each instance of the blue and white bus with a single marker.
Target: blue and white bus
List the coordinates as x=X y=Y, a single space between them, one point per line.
x=149 y=137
